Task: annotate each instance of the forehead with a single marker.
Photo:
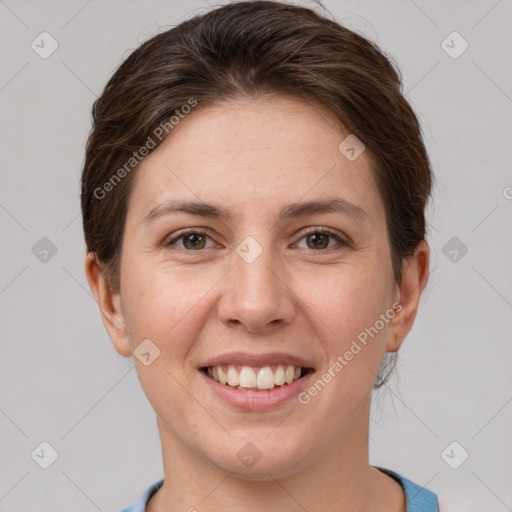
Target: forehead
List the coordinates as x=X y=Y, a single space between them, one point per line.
x=254 y=151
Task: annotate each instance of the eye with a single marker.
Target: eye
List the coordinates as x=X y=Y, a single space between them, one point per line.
x=192 y=240
x=321 y=238
x=316 y=239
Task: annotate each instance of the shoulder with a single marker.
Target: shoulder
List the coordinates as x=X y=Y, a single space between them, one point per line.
x=418 y=498
x=142 y=500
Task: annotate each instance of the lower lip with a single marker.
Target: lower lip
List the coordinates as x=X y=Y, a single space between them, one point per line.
x=256 y=400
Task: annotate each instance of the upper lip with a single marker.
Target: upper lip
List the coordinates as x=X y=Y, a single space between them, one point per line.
x=257 y=360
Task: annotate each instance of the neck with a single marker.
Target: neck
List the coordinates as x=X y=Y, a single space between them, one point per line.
x=335 y=478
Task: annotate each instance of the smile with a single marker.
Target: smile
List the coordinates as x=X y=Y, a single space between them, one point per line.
x=249 y=378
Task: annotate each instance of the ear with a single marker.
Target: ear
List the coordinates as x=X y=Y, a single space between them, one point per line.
x=408 y=294
x=109 y=304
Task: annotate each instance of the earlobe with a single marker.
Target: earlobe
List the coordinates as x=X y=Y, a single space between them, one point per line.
x=109 y=304
x=409 y=290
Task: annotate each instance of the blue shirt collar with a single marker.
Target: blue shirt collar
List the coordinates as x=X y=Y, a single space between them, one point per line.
x=418 y=499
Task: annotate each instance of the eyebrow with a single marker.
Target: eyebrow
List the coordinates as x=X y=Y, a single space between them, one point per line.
x=289 y=211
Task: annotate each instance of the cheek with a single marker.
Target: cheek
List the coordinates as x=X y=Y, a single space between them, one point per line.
x=165 y=307
x=163 y=304
x=343 y=308
x=346 y=301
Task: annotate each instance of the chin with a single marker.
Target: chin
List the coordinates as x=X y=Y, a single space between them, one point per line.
x=259 y=460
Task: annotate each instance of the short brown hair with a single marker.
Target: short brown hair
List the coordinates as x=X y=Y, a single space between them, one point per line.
x=255 y=49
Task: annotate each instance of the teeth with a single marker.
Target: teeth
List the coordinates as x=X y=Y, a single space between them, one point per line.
x=290 y=372
x=280 y=376
x=223 y=379
x=247 y=378
x=265 y=378
x=233 y=376
x=254 y=378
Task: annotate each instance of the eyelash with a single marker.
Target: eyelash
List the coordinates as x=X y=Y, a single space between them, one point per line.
x=313 y=230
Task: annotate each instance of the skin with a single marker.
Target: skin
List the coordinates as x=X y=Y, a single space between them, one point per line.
x=254 y=157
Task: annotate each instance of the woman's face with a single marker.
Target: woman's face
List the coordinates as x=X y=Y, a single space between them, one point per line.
x=278 y=255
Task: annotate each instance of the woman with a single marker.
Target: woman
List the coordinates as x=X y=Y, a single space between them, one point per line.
x=253 y=203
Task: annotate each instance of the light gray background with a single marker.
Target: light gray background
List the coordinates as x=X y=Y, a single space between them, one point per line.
x=61 y=380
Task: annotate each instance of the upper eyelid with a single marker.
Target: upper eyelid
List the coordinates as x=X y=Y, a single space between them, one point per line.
x=342 y=239
x=188 y=231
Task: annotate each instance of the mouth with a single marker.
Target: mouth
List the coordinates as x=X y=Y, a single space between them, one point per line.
x=256 y=378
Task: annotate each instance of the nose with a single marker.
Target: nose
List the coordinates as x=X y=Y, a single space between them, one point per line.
x=255 y=295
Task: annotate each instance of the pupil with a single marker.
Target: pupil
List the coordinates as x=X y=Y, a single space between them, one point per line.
x=194 y=240
x=317 y=239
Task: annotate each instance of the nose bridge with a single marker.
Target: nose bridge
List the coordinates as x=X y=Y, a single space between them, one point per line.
x=256 y=294
x=254 y=267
